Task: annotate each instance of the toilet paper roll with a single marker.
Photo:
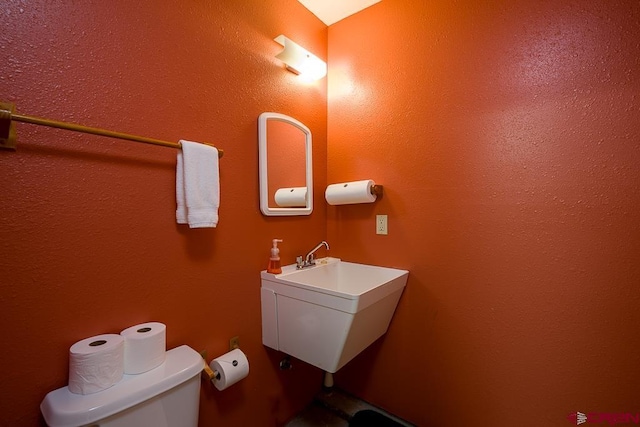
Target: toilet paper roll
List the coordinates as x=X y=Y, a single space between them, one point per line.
x=96 y=363
x=144 y=347
x=350 y=192
x=230 y=368
x=291 y=197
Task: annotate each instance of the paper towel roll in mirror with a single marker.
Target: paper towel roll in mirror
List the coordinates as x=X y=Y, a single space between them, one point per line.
x=291 y=197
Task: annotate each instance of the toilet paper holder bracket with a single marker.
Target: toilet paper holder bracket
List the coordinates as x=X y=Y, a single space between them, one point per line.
x=207 y=372
x=210 y=374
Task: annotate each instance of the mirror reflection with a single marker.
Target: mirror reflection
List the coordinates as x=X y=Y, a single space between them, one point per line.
x=285 y=162
x=286 y=178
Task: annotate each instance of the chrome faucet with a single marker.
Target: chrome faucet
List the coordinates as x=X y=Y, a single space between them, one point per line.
x=309 y=260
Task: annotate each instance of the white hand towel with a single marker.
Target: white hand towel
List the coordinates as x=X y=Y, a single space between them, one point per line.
x=197 y=185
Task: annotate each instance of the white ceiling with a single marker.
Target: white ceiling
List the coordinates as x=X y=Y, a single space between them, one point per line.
x=332 y=11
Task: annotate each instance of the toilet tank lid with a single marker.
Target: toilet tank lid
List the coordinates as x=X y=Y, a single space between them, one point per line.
x=61 y=408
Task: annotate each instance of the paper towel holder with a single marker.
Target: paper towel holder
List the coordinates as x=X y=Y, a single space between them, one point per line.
x=377 y=189
x=353 y=192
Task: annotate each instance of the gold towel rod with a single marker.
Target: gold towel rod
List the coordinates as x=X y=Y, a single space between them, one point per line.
x=8 y=134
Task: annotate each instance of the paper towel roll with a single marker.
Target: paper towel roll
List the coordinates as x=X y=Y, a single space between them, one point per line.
x=96 y=363
x=291 y=197
x=350 y=192
x=144 y=347
x=231 y=367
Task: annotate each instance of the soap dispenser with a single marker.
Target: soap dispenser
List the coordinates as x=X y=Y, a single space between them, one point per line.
x=274 y=260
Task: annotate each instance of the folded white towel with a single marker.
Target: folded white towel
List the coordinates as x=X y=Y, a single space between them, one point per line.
x=197 y=185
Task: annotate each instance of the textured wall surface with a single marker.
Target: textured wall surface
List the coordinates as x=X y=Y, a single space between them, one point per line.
x=88 y=239
x=507 y=136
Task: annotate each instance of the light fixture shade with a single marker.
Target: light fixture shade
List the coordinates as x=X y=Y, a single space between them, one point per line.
x=301 y=61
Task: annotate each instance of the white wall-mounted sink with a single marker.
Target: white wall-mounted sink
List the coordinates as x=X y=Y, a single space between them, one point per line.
x=327 y=314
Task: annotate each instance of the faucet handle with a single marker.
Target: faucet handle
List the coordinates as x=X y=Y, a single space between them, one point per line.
x=299 y=262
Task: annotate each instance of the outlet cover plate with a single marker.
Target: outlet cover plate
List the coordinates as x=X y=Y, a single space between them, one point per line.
x=381 y=224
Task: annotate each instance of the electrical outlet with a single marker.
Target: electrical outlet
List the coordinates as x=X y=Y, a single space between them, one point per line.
x=381 y=224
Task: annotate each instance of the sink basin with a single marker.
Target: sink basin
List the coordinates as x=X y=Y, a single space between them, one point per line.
x=359 y=285
x=327 y=314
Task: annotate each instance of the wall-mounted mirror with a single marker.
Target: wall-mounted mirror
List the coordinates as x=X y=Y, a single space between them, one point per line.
x=286 y=172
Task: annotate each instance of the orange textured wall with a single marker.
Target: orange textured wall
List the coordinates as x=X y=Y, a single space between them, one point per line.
x=507 y=136
x=88 y=239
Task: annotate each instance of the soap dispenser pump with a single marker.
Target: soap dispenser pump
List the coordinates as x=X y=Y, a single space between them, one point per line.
x=274 y=260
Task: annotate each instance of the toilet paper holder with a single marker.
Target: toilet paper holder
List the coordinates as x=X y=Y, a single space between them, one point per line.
x=227 y=369
x=209 y=373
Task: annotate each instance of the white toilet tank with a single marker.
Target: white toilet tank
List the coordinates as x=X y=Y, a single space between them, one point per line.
x=166 y=396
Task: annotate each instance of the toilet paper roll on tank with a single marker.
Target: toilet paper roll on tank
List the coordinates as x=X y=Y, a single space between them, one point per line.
x=96 y=363
x=144 y=347
x=99 y=362
x=346 y=193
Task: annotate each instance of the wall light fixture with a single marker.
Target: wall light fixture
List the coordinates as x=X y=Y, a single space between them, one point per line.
x=300 y=61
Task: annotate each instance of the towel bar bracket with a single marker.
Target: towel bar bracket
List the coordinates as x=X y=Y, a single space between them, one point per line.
x=7 y=127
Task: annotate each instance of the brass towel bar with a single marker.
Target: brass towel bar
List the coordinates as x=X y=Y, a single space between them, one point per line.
x=8 y=133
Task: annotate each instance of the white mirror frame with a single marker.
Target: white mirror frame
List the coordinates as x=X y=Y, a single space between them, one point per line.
x=263 y=169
